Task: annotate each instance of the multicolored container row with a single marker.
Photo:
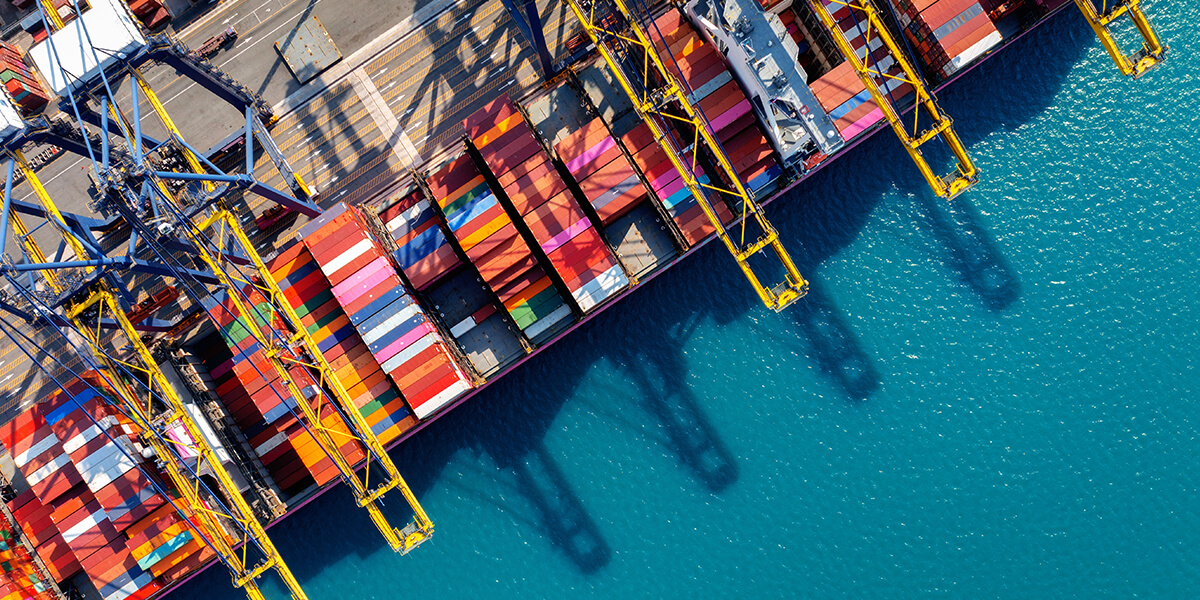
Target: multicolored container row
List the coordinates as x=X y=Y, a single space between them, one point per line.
x=723 y=103
x=310 y=294
x=842 y=93
x=90 y=498
x=21 y=84
x=946 y=34
x=564 y=233
x=491 y=241
x=399 y=335
x=263 y=406
x=423 y=251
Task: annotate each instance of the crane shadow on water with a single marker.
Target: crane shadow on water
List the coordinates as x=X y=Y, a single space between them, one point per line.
x=509 y=421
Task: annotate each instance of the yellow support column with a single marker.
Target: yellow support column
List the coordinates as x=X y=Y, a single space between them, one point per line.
x=422 y=527
x=102 y=303
x=1133 y=65
x=282 y=356
x=52 y=14
x=667 y=103
x=940 y=125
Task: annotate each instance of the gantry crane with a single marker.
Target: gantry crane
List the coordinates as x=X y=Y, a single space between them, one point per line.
x=86 y=302
x=1101 y=17
x=937 y=124
x=132 y=182
x=664 y=103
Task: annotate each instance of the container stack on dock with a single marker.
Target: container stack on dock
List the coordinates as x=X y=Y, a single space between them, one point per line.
x=309 y=293
x=490 y=239
x=563 y=231
x=946 y=34
x=21 y=84
x=398 y=333
x=257 y=398
x=842 y=93
x=723 y=103
x=90 y=498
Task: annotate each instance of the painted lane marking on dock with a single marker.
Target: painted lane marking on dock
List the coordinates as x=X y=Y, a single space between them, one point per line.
x=384 y=118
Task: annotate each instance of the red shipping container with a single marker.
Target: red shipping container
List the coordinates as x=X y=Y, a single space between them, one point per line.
x=481 y=120
x=428 y=270
x=527 y=266
x=520 y=176
x=58 y=558
x=501 y=237
x=527 y=173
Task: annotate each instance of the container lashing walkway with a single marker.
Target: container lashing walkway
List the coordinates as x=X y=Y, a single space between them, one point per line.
x=912 y=138
x=1152 y=52
x=660 y=100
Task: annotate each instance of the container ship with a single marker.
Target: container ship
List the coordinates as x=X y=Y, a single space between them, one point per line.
x=375 y=319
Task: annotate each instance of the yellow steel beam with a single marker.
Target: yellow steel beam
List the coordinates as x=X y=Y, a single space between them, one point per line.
x=1152 y=52
x=965 y=174
x=104 y=301
x=668 y=102
x=165 y=118
x=52 y=14
x=56 y=219
x=232 y=551
x=281 y=356
x=21 y=233
x=400 y=540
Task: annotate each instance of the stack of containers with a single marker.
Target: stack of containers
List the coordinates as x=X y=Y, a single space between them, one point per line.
x=717 y=95
x=947 y=34
x=605 y=177
x=20 y=578
x=423 y=252
x=398 y=333
x=310 y=294
x=33 y=517
x=668 y=184
x=531 y=181
x=24 y=88
x=271 y=440
x=491 y=241
x=85 y=527
x=841 y=92
x=272 y=399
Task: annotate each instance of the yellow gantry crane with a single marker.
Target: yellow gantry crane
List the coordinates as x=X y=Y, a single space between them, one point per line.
x=314 y=402
x=1152 y=52
x=912 y=138
x=232 y=550
x=99 y=303
x=662 y=101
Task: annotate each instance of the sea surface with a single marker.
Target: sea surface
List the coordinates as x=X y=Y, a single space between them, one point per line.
x=992 y=397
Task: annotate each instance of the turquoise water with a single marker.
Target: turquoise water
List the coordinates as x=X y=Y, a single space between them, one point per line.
x=984 y=398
